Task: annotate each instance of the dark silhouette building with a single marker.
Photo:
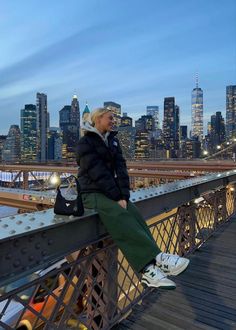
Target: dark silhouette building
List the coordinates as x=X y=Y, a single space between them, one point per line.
x=11 y=149
x=42 y=127
x=183 y=132
x=171 y=127
x=231 y=112
x=69 y=123
x=217 y=133
x=28 y=124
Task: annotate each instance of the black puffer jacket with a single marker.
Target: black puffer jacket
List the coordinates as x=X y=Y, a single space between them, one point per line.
x=102 y=168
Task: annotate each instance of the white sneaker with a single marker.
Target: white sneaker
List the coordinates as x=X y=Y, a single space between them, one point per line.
x=154 y=277
x=171 y=264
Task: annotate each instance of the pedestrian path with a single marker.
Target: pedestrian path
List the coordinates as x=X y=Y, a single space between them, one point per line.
x=205 y=297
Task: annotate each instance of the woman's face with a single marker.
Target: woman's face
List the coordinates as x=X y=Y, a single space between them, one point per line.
x=105 y=122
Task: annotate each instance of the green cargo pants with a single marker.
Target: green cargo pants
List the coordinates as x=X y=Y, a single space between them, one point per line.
x=127 y=228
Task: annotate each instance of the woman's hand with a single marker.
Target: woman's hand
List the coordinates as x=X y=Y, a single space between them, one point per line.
x=123 y=203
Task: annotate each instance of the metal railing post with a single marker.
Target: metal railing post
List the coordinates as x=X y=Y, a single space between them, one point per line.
x=102 y=287
x=187 y=228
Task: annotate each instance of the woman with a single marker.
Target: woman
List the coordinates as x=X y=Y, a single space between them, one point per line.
x=104 y=182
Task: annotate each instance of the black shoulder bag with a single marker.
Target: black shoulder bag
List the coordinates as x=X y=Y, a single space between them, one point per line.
x=65 y=206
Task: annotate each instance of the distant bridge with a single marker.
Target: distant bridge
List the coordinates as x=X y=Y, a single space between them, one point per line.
x=153 y=173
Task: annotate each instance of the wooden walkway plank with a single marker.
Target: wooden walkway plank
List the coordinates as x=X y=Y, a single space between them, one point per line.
x=218 y=310
x=205 y=297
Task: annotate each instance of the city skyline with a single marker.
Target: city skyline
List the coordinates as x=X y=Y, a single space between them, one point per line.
x=133 y=55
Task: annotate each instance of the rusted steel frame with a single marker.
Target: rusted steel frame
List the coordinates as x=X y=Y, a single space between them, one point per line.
x=185 y=239
x=16 y=177
x=102 y=274
x=108 y=313
x=234 y=198
x=25 y=180
x=40 y=184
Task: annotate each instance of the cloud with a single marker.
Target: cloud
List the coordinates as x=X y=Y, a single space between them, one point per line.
x=54 y=55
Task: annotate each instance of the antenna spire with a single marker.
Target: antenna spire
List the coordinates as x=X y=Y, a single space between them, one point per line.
x=197 y=80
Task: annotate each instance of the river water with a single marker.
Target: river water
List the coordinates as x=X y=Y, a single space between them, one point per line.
x=7 y=211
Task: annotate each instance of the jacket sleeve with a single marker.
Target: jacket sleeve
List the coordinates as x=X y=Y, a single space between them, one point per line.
x=90 y=162
x=122 y=174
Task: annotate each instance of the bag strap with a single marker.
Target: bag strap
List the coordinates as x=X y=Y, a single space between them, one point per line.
x=76 y=181
x=77 y=184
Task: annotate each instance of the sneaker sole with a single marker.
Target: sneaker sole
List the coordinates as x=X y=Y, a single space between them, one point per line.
x=169 y=287
x=178 y=271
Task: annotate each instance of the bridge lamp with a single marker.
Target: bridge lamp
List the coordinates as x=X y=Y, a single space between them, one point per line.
x=205 y=152
x=55 y=180
x=227 y=143
x=234 y=139
x=218 y=147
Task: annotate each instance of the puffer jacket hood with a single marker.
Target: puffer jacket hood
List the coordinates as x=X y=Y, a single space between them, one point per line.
x=88 y=127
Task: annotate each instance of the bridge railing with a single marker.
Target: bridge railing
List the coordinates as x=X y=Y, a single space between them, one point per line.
x=64 y=272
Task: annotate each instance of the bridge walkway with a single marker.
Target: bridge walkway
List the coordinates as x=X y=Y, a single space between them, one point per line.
x=205 y=297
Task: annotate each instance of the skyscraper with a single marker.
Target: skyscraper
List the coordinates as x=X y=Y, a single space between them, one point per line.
x=145 y=123
x=86 y=113
x=75 y=117
x=183 y=132
x=42 y=127
x=126 y=120
x=142 y=145
x=217 y=133
x=55 y=144
x=231 y=112
x=2 y=142
x=28 y=121
x=153 y=110
x=171 y=127
x=69 y=122
x=64 y=121
x=197 y=112
x=11 y=149
x=126 y=136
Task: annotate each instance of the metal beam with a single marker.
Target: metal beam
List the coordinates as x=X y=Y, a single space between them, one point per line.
x=26 y=199
x=187 y=165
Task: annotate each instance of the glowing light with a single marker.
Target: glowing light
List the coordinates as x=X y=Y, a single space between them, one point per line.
x=55 y=180
x=218 y=147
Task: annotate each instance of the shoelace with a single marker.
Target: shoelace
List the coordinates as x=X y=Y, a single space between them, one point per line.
x=172 y=260
x=154 y=272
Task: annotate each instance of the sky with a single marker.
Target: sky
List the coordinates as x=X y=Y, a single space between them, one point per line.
x=133 y=52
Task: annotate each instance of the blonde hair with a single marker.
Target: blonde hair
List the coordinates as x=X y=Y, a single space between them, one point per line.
x=97 y=113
